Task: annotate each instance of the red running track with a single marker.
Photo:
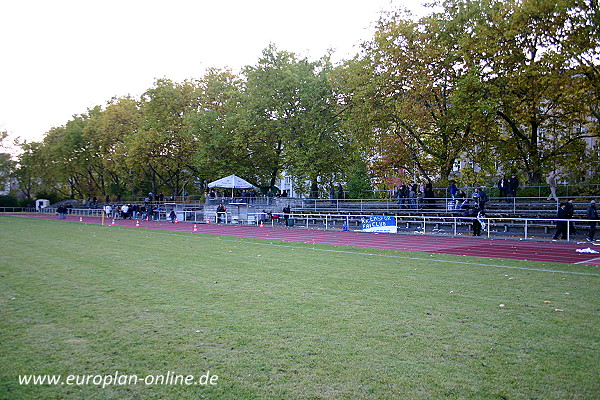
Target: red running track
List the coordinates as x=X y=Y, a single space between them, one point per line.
x=480 y=247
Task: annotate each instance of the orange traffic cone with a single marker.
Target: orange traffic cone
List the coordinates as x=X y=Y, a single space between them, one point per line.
x=80 y=219
x=261 y=224
x=195 y=228
x=137 y=224
x=113 y=222
x=176 y=221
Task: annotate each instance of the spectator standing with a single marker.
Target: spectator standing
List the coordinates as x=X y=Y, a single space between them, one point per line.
x=286 y=214
x=402 y=194
x=480 y=198
x=156 y=213
x=477 y=214
x=551 y=181
x=513 y=185
x=592 y=214
x=108 y=210
x=125 y=211
x=421 y=190
x=221 y=209
x=62 y=212
x=412 y=196
x=429 y=194
x=561 y=223
x=453 y=191
x=502 y=186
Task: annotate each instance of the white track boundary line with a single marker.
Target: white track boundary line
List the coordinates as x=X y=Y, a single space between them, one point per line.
x=586 y=261
x=249 y=241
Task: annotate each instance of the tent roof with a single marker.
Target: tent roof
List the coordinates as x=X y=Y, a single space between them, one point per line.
x=231 y=182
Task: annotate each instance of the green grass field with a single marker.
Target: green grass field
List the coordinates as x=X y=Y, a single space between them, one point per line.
x=285 y=321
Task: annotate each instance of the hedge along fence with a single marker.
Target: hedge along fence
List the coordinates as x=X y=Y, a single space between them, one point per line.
x=14 y=201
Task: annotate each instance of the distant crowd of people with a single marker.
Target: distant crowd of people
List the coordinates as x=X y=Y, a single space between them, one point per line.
x=507 y=187
x=134 y=211
x=414 y=195
x=472 y=208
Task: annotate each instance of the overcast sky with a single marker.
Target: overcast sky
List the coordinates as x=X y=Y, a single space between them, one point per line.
x=61 y=57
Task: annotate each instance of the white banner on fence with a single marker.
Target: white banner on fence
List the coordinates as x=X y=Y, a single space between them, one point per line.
x=379 y=223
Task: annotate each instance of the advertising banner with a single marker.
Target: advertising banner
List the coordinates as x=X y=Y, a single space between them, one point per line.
x=379 y=223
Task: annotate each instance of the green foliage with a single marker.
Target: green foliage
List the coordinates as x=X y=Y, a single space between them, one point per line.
x=52 y=196
x=412 y=76
x=289 y=118
x=539 y=99
x=501 y=83
x=13 y=201
x=108 y=134
x=9 y=201
x=359 y=182
x=505 y=84
x=214 y=127
x=7 y=165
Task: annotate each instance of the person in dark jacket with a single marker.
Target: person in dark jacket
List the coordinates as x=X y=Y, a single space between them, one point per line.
x=221 y=213
x=502 y=186
x=480 y=198
x=62 y=212
x=512 y=186
x=592 y=214
x=402 y=194
x=476 y=213
x=286 y=214
x=340 y=192
x=429 y=195
x=561 y=223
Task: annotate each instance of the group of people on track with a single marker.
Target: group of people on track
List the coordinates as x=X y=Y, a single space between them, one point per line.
x=129 y=211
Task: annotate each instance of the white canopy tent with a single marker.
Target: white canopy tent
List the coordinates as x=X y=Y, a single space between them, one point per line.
x=231 y=182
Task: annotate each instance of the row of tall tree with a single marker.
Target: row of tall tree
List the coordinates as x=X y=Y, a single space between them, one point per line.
x=509 y=85
x=280 y=115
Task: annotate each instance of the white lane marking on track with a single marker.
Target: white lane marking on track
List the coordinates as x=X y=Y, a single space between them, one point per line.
x=401 y=257
x=587 y=261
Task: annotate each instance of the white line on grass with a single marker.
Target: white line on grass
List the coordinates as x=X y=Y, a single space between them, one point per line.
x=387 y=255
